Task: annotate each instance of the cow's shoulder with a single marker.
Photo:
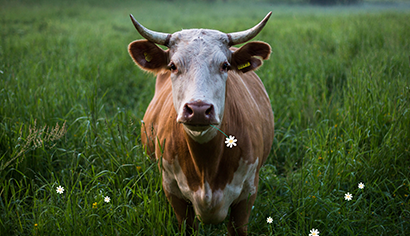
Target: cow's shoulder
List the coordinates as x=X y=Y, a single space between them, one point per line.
x=248 y=115
x=160 y=116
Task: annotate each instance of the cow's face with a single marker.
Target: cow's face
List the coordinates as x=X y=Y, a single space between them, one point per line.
x=199 y=61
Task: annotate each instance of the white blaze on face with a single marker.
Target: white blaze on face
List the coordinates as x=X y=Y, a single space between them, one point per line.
x=198 y=56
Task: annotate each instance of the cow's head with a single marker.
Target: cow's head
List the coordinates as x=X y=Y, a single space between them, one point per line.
x=199 y=61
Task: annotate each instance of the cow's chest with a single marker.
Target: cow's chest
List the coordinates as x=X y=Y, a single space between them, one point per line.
x=211 y=205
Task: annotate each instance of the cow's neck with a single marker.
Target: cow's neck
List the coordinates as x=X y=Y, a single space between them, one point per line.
x=206 y=156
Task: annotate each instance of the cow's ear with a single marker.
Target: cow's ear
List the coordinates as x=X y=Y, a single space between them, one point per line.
x=249 y=56
x=148 y=56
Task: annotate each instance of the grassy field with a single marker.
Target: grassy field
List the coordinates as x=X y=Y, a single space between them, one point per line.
x=72 y=100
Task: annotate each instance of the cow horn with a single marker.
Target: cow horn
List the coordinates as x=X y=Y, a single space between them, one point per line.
x=152 y=36
x=244 y=36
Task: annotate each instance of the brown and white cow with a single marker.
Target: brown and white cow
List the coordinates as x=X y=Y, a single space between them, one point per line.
x=203 y=81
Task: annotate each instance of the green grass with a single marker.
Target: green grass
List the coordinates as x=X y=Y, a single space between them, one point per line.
x=72 y=100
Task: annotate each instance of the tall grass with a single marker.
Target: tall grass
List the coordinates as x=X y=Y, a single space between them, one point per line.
x=72 y=101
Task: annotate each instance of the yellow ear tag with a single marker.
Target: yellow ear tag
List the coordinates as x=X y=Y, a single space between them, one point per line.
x=147 y=57
x=240 y=67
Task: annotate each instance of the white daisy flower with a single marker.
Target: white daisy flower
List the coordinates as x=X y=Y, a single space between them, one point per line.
x=60 y=190
x=314 y=232
x=231 y=141
x=269 y=220
x=107 y=199
x=348 y=196
x=361 y=185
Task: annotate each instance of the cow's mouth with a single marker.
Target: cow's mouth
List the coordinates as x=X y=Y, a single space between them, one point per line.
x=197 y=127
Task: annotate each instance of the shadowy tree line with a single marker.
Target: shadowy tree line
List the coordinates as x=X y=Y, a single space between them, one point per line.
x=333 y=2
x=314 y=2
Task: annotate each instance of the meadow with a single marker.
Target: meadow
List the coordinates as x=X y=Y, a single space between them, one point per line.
x=72 y=102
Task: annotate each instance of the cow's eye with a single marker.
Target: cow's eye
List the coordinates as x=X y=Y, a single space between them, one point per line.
x=172 y=67
x=225 y=66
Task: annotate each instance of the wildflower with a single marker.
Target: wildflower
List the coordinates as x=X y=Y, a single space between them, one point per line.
x=361 y=185
x=138 y=168
x=35 y=225
x=95 y=205
x=348 y=196
x=314 y=232
x=269 y=220
x=60 y=190
x=231 y=141
x=107 y=199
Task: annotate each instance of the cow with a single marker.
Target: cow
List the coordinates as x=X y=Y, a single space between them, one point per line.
x=206 y=90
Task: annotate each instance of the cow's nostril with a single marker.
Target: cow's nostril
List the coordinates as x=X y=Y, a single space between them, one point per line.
x=188 y=110
x=209 y=110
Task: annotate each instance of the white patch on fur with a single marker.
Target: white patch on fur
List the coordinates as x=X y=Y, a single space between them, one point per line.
x=198 y=54
x=211 y=206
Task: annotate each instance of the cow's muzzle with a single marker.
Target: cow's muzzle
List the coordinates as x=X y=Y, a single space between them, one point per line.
x=198 y=114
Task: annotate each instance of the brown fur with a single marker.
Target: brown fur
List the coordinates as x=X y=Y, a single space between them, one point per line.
x=250 y=53
x=148 y=56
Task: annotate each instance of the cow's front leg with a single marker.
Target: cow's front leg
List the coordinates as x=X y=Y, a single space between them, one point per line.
x=184 y=212
x=239 y=217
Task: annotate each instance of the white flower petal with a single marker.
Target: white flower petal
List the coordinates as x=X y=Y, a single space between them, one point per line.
x=348 y=196
x=231 y=141
x=314 y=232
x=60 y=189
x=107 y=199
